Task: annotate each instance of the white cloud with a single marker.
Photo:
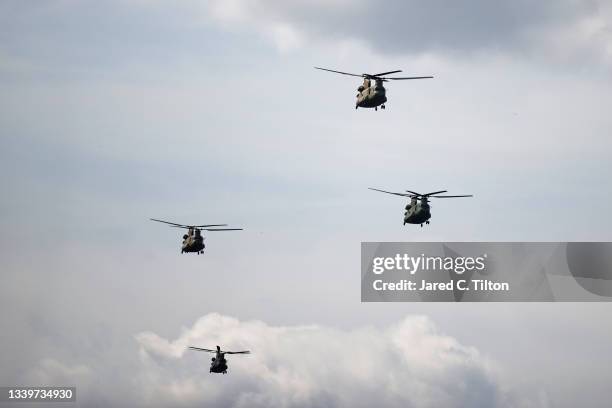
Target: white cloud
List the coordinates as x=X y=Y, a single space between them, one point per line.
x=587 y=37
x=406 y=364
x=51 y=372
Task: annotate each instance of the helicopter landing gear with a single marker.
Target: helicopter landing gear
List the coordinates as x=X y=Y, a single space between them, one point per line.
x=427 y=222
x=421 y=225
x=376 y=108
x=382 y=106
x=356 y=106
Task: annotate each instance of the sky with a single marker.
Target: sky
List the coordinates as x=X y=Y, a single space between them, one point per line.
x=211 y=112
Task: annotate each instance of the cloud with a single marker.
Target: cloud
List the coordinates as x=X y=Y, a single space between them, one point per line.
x=408 y=364
x=553 y=28
x=136 y=33
x=51 y=372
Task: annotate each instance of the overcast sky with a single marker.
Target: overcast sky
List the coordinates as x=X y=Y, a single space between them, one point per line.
x=210 y=112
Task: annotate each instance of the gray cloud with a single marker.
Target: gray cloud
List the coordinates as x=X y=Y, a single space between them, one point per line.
x=93 y=36
x=556 y=28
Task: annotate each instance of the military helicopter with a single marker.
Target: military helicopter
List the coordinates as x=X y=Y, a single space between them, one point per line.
x=193 y=241
x=218 y=363
x=373 y=96
x=419 y=212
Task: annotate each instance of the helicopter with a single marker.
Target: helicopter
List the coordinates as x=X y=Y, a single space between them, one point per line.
x=418 y=212
x=193 y=241
x=373 y=96
x=219 y=363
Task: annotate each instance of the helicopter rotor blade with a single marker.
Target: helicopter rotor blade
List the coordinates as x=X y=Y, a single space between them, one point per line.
x=237 y=352
x=425 y=195
x=170 y=223
x=210 y=225
x=414 y=193
x=338 y=72
x=202 y=349
x=376 y=76
x=402 y=78
x=387 y=73
x=453 y=196
x=389 y=192
x=206 y=229
x=435 y=192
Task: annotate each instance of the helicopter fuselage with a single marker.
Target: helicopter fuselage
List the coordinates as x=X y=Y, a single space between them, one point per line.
x=218 y=364
x=193 y=241
x=193 y=245
x=371 y=95
x=417 y=213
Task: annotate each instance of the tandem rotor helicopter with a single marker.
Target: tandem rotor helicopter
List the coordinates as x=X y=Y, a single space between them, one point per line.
x=219 y=363
x=373 y=96
x=418 y=212
x=193 y=241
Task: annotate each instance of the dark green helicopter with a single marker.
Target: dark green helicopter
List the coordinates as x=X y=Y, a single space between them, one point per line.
x=218 y=363
x=193 y=241
x=418 y=210
x=373 y=95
